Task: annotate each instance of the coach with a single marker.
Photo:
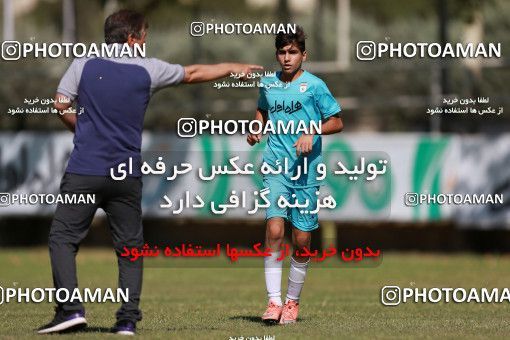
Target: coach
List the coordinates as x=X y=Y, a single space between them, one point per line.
x=114 y=94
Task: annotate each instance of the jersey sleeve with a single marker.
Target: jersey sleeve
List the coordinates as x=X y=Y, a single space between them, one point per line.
x=262 y=103
x=69 y=83
x=164 y=74
x=324 y=100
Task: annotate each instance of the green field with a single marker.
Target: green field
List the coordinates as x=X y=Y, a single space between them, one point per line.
x=224 y=302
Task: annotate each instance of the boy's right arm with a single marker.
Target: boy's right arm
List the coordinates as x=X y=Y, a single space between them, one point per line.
x=261 y=116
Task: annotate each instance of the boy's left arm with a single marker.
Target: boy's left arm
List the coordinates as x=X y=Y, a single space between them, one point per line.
x=331 y=122
x=330 y=125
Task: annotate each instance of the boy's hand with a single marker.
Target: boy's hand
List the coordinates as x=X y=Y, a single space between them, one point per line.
x=252 y=139
x=304 y=144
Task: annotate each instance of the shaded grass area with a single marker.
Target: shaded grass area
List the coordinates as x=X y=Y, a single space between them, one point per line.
x=222 y=302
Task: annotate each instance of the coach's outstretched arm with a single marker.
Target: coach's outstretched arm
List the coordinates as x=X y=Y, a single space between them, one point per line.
x=201 y=73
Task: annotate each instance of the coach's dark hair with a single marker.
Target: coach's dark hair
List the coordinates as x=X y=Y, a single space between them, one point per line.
x=119 y=25
x=284 y=39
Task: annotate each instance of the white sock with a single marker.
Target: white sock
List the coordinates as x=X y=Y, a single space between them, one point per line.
x=273 y=273
x=296 y=279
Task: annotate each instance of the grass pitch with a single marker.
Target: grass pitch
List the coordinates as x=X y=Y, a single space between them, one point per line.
x=226 y=302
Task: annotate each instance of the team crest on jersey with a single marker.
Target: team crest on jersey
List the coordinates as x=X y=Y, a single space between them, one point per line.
x=303 y=87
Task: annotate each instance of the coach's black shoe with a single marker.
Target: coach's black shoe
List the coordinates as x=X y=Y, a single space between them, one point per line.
x=124 y=327
x=64 y=322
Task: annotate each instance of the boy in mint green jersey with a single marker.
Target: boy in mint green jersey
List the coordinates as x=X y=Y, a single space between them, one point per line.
x=293 y=94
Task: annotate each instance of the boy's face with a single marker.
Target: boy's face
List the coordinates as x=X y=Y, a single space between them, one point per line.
x=290 y=58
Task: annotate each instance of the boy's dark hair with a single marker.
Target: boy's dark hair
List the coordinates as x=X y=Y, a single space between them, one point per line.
x=298 y=38
x=119 y=25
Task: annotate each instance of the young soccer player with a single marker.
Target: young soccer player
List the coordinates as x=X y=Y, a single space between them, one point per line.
x=293 y=94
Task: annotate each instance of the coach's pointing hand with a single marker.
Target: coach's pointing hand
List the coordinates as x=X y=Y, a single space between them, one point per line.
x=304 y=144
x=199 y=73
x=247 y=69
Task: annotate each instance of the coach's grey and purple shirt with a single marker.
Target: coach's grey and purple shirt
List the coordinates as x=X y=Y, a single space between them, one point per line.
x=114 y=94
